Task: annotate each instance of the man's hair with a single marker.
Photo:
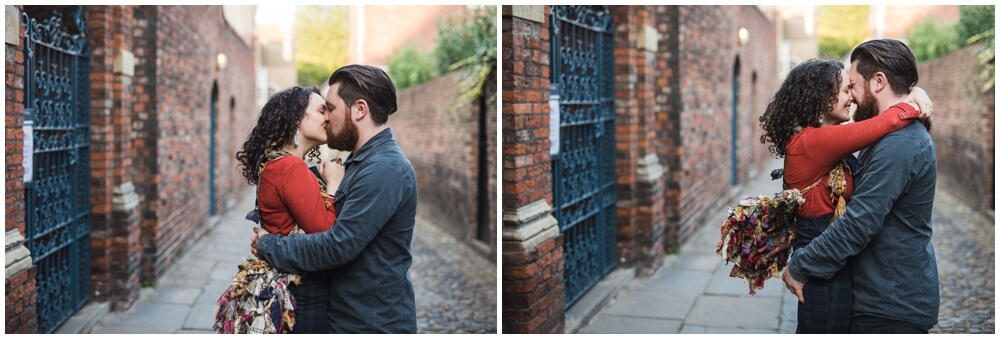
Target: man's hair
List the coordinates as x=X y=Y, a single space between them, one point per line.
x=371 y=84
x=892 y=58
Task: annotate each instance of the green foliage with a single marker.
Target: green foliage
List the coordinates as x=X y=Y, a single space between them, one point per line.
x=928 y=40
x=974 y=20
x=840 y=28
x=321 y=40
x=411 y=66
x=986 y=54
x=464 y=42
x=477 y=37
x=977 y=25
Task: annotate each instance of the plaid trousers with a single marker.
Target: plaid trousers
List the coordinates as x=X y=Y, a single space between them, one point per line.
x=311 y=297
x=828 y=304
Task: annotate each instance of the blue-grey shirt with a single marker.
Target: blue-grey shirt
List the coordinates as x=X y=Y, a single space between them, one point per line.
x=888 y=226
x=368 y=248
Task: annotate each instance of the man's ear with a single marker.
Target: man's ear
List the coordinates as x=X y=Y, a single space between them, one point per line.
x=362 y=111
x=880 y=82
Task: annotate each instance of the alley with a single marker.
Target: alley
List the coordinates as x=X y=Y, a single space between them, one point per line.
x=455 y=288
x=693 y=292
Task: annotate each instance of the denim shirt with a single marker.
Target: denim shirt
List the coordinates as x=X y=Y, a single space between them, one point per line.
x=367 y=251
x=888 y=226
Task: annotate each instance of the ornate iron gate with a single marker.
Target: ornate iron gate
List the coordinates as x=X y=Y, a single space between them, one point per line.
x=57 y=185
x=584 y=167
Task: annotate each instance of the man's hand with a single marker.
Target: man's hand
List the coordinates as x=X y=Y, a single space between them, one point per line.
x=258 y=232
x=793 y=285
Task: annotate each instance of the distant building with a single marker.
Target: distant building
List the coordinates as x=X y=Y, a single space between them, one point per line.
x=274 y=61
x=892 y=22
x=796 y=30
x=377 y=32
x=122 y=126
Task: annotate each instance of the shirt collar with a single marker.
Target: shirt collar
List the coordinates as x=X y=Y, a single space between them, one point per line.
x=366 y=149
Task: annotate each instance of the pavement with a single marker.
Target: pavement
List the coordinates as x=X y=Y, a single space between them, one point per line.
x=455 y=287
x=693 y=293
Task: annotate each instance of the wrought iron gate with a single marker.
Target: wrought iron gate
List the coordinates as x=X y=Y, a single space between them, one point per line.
x=584 y=168
x=57 y=183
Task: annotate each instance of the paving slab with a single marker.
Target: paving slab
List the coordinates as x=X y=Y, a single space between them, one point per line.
x=630 y=325
x=695 y=329
x=202 y=317
x=649 y=304
x=177 y=295
x=693 y=282
x=735 y=312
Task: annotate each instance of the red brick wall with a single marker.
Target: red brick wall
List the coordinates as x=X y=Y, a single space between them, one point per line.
x=188 y=38
x=114 y=234
x=533 y=291
x=440 y=136
x=964 y=126
x=14 y=134
x=705 y=63
x=146 y=127
x=641 y=218
x=20 y=304
x=19 y=288
x=668 y=117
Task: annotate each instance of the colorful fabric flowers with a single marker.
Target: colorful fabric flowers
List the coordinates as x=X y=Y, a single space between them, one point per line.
x=754 y=223
x=258 y=301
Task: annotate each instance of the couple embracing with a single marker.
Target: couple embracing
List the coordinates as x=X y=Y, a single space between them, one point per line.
x=343 y=232
x=862 y=261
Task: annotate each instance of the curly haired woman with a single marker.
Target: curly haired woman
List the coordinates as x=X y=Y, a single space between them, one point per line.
x=291 y=127
x=804 y=122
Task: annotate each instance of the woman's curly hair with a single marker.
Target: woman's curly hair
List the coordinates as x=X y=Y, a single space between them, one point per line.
x=276 y=126
x=804 y=98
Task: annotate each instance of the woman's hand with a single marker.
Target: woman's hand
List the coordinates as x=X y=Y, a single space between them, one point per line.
x=918 y=99
x=778 y=247
x=333 y=174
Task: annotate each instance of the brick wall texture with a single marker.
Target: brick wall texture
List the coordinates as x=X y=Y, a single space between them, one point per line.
x=19 y=288
x=151 y=130
x=964 y=126
x=440 y=135
x=188 y=38
x=707 y=53
x=533 y=296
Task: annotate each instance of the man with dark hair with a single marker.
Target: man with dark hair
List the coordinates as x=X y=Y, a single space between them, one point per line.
x=887 y=227
x=367 y=251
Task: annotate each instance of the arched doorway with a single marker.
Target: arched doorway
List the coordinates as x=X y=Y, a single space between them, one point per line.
x=735 y=175
x=213 y=116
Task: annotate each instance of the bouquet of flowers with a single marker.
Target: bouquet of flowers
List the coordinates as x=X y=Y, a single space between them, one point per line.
x=258 y=301
x=754 y=223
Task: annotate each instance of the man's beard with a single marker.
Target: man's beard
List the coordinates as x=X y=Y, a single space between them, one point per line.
x=346 y=139
x=867 y=108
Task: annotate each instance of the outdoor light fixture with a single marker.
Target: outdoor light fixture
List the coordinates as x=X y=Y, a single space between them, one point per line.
x=220 y=61
x=744 y=36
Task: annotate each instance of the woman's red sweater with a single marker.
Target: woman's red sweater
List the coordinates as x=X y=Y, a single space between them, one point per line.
x=812 y=152
x=288 y=193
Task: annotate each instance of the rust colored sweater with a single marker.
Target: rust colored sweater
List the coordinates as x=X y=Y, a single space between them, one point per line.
x=812 y=152
x=289 y=193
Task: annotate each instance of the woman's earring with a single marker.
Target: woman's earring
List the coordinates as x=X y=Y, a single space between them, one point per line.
x=296 y=140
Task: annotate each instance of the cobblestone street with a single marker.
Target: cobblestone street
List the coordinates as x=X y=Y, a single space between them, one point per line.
x=964 y=242
x=455 y=287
